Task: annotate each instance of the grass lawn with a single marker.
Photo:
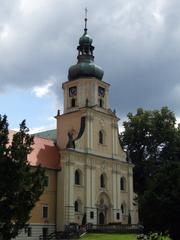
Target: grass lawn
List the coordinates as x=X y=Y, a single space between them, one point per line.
x=105 y=236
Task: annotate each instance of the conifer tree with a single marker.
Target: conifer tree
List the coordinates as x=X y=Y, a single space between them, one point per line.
x=20 y=184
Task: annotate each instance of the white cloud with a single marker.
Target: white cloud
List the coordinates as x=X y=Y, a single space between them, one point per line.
x=44 y=90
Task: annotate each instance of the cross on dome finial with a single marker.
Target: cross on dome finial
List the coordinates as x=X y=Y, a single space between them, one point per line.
x=85 y=19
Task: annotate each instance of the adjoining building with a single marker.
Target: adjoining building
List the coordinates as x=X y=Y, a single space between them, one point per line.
x=89 y=178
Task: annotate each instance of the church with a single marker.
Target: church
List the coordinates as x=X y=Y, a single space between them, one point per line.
x=89 y=177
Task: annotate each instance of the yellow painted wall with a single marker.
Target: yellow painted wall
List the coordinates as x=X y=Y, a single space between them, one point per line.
x=49 y=198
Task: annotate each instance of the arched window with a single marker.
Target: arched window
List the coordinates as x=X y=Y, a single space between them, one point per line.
x=101 y=137
x=123 y=184
x=76 y=206
x=103 y=180
x=73 y=102
x=77 y=177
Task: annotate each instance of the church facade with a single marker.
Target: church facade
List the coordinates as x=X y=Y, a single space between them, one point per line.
x=90 y=179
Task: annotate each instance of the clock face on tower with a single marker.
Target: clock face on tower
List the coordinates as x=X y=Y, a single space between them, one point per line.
x=101 y=91
x=72 y=91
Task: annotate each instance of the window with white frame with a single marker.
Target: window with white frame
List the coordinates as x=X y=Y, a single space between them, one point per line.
x=45 y=211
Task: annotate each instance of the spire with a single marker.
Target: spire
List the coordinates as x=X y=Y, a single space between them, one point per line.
x=85 y=20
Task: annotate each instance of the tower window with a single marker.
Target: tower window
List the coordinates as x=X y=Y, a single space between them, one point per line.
x=103 y=180
x=73 y=102
x=101 y=137
x=123 y=184
x=77 y=177
x=100 y=103
x=117 y=216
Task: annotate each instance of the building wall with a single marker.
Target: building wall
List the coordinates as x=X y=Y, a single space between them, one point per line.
x=89 y=192
x=37 y=222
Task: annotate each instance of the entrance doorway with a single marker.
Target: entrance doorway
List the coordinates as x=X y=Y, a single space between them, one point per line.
x=101 y=218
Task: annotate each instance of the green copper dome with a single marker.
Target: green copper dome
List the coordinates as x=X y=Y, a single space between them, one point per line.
x=85 y=66
x=85 y=69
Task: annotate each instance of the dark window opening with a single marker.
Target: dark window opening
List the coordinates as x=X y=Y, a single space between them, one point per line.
x=117 y=216
x=122 y=208
x=29 y=232
x=77 y=177
x=100 y=103
x=91 y=215
x=101 y=137
x=45 y=211
x=102 y=180
x=45 y=233
x=73 y=102
x=76 y=206
x=122 y=183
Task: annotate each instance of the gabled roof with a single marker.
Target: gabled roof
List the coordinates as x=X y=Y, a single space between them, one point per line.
x=49 y=134
x=44 y=153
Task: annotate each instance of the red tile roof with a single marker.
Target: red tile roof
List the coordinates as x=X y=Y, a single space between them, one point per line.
x=44 y=152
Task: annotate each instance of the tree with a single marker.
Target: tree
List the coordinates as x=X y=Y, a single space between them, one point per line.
x=153 y=144
x=149 y=138
x=20 y=184
x=160 y=201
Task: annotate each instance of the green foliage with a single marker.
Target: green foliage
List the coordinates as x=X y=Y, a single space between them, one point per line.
x=149 y=138
x=160 y=201
x=21 y=186
x=153 y=144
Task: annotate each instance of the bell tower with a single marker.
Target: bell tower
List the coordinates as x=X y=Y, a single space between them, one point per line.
x=93 y=161
x=85 y=86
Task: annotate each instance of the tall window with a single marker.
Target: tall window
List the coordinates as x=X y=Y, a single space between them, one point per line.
x=76 y=206
x=45 y=233
x=77 y=177
x=101 y=137
x=123 y=208
x=100 y=103
x=45 y=211
x=103 y=181
x=123 y=184
x=73 y=102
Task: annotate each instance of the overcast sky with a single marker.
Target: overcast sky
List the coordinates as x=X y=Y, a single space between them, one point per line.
x=137 y=43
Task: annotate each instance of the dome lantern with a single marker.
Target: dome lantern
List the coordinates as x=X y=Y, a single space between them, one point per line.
x=85 y=66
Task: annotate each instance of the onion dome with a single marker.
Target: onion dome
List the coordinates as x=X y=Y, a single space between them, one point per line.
x=85 y=66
